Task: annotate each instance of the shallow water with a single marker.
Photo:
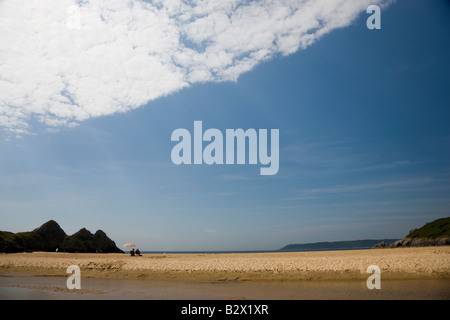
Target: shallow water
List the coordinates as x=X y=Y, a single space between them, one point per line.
x=26 y=287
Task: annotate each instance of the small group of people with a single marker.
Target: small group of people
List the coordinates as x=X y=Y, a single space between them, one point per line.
x=135 y=253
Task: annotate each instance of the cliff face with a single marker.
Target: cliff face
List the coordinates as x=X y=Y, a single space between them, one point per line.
x=435 y=233
x=50 y=237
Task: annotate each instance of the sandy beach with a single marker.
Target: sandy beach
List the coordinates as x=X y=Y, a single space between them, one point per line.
x=276 y=271
x=398 y=263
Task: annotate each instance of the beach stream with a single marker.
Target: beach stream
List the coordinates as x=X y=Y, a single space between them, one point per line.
x=29 y=287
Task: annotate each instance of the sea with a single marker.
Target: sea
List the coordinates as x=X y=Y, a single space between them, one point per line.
x=208 y=252
x=249 y=251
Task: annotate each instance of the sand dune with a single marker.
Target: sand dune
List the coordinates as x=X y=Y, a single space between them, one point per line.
x=398 y=263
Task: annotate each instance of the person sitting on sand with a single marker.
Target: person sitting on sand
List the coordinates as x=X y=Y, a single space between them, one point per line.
x=132 y=252
x=138 y=253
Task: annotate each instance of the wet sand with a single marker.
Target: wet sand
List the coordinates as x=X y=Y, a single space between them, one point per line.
x=27 y=287
x=406 y=273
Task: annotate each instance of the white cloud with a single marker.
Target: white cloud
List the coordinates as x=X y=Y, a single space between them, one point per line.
x=64 y=61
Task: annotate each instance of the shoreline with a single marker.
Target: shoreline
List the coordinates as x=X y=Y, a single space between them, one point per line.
x=406 y=274
x=426 y=263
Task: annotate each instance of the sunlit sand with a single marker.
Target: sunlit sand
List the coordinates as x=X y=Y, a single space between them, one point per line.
x=398 y=263
x=278 y=275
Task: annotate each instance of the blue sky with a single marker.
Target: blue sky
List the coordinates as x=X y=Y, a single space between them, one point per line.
x=364 y=139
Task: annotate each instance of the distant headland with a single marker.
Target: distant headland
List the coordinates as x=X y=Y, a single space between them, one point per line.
x=335 y=245
x=435 y=233
x=51 y=237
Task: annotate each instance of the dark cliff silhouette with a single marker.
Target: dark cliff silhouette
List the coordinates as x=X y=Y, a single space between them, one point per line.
x=51 y=237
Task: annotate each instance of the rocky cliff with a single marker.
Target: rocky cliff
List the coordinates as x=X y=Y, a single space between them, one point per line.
x=50 y=237
x=435 y=233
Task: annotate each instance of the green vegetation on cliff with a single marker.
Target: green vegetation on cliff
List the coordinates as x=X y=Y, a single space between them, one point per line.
x=439 y=228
